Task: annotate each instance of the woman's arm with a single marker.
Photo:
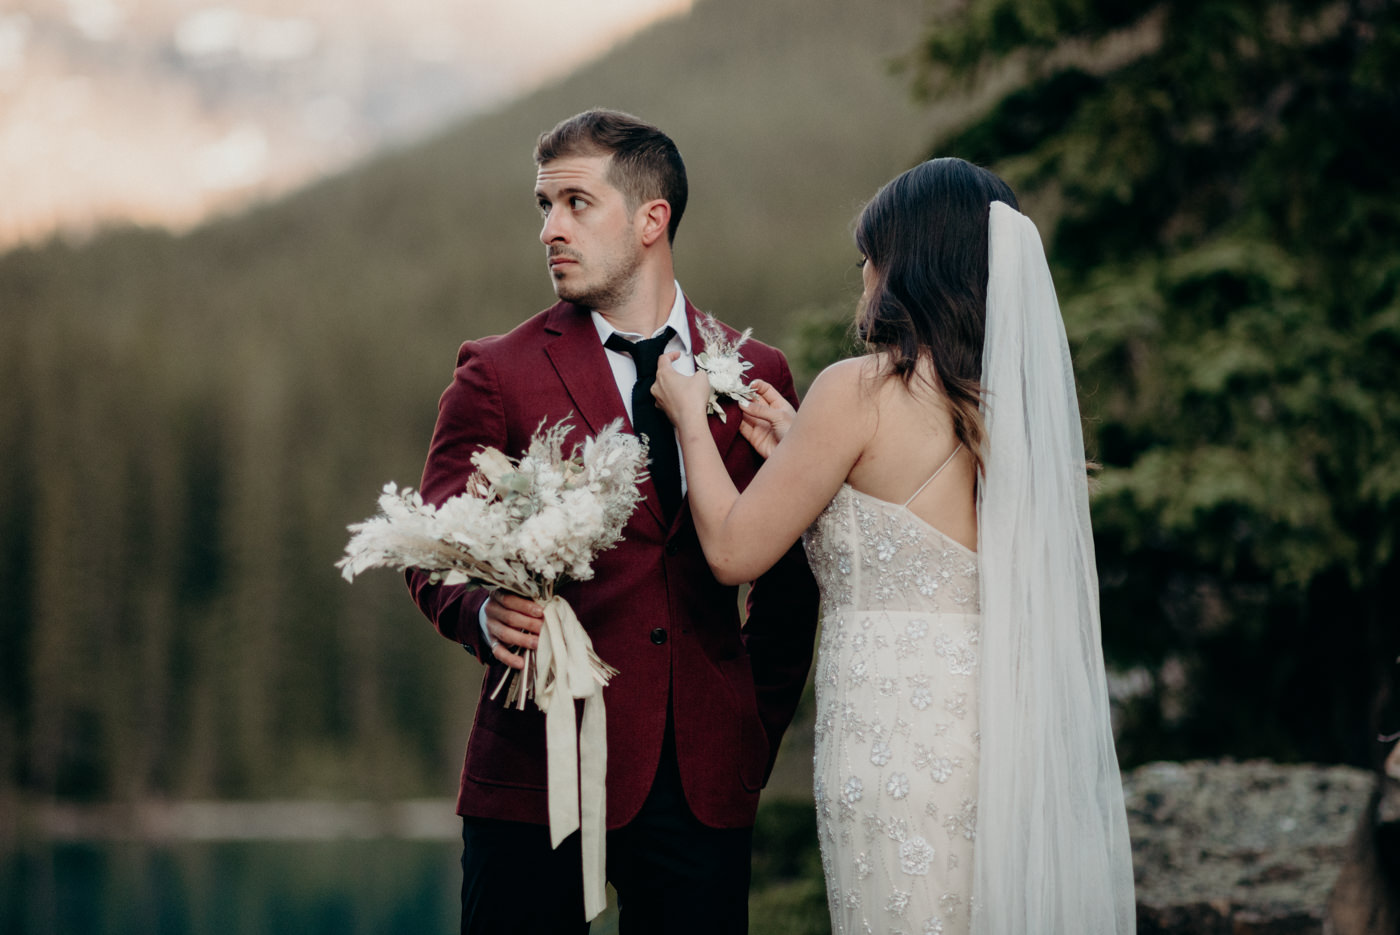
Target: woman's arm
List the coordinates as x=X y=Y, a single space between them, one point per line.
x=743 y=535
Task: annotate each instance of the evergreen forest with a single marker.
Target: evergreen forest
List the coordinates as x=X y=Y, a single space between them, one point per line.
x=189 y=422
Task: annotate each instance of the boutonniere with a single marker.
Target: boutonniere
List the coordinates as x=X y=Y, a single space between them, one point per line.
x=722 y=364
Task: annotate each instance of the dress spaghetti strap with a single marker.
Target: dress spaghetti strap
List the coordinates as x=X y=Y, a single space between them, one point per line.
x=906 y=503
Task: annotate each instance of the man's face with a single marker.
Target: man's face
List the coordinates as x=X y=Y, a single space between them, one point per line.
x=592 y=247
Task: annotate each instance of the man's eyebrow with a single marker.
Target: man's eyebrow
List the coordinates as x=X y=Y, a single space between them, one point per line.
x=564 y=192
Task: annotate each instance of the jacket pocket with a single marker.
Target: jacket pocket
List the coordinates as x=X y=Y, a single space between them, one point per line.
x=507 y=747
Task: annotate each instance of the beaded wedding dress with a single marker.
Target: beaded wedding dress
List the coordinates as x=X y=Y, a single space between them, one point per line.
x=966 y=780
x=897 y=729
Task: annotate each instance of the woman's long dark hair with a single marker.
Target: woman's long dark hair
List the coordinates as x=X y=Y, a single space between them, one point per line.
x=926 y=234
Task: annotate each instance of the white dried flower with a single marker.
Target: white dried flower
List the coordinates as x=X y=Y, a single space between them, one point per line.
x=524 y=525
x=722 y=364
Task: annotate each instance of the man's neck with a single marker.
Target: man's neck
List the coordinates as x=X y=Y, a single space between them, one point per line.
x=646 y=309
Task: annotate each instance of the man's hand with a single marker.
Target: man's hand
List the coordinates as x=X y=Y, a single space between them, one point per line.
x=767 y=418
x=514 y=625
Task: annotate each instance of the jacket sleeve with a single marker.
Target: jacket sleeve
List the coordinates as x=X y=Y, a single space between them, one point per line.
x=781 y=625
x=471 y=416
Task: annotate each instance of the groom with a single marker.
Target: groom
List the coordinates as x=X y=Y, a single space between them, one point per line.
x=700 y=701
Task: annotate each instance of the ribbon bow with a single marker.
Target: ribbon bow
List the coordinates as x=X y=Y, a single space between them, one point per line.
x=577 y=762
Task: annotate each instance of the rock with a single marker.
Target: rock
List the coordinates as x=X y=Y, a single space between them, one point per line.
x=1248 y=848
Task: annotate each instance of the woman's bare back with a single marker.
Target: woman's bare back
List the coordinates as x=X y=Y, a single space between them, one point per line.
x=912 y=436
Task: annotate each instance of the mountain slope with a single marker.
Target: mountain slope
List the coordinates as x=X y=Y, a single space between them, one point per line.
x=189 y=423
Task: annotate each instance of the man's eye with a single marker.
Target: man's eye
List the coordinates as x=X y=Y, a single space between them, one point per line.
x=578 y=204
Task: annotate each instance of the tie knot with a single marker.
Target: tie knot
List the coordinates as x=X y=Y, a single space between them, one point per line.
x=646 y=353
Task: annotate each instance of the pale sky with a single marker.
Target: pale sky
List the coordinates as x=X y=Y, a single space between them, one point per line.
x=161 y=111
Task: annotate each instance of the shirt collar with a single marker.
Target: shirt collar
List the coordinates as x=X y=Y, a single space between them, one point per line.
x=677 y=321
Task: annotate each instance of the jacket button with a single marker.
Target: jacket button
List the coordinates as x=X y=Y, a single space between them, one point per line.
x=672 y=548
x=471 y=650
x=658 y=636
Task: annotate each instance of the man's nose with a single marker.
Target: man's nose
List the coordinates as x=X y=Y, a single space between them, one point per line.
x=554 y=230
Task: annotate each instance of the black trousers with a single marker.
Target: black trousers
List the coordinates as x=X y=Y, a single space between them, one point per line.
x=673 y=875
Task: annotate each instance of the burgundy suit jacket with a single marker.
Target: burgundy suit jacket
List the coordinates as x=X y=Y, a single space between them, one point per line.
x=653 y=609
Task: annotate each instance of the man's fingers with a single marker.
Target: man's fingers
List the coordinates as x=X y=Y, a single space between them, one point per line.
x=517 y=604
x=513 y=635
x=514 y=623
x=509 y=642
x=514 y=611
x=506 y=657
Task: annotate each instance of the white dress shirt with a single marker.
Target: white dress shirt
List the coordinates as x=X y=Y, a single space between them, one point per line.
x=624 y=370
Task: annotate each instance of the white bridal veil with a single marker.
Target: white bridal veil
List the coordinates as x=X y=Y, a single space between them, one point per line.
x=1052 y=854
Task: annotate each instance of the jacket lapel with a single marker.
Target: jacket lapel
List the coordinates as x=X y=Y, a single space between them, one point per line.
x=582 y=364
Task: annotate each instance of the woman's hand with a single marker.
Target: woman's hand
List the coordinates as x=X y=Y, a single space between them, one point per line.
x=681 y=397
x=767 y=418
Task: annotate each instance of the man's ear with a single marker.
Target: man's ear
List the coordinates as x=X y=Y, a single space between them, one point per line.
x=655 y=218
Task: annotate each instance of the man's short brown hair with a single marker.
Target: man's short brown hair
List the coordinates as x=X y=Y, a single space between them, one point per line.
x=645 y=163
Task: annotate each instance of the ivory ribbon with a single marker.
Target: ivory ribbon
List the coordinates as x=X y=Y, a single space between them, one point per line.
x=577 y=762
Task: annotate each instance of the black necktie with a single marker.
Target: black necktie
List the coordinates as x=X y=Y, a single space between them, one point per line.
x=648 y=419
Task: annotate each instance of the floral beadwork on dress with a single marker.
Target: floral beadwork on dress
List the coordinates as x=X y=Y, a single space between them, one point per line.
x=896 y=727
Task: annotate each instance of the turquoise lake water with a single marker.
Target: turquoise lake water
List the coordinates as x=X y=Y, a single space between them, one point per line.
x=357 y=887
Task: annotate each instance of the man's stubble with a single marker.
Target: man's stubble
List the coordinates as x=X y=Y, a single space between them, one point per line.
x=618 y=282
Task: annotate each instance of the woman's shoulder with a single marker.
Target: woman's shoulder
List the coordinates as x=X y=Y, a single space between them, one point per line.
x=864 y=373
x=845 y=394
x=869 y=388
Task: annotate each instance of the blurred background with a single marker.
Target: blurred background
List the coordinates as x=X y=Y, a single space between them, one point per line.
x=240 y=244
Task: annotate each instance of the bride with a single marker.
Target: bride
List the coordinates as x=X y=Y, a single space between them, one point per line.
x=965 y=773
